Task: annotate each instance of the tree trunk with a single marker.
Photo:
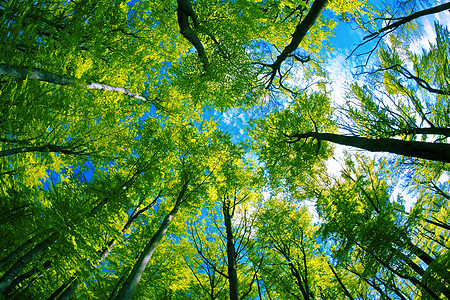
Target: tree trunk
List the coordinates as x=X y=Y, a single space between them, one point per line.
x=132 y=281
x=15 y=269
x=346 y=291
x=22 y=247
x=22 y=74
x=231 y=254
x=118 y=285
x=60 y=290
x=431 y=151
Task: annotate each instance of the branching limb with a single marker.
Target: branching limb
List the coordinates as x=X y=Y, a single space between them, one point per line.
x=300 y=32
x=404 y=20
x=185 y=11
x=384 y=31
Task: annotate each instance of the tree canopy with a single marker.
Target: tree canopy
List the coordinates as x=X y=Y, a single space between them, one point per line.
x=200 y=149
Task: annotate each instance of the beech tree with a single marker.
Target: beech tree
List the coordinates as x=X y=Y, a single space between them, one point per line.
x=123 y=175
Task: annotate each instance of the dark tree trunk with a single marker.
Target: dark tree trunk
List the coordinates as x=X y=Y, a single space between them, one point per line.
x=416 y=15
x=21 y=248
x=231 y=253
x=19 y=265
x=300 y=32
x=431 y=151
x=346 y=291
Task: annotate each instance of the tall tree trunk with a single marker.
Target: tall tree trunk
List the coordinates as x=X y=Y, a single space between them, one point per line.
x=68 y=293
x=231 y=253
x=22 y=74
x=122 y=279
x=23 y=261
x=132 y=281
x=72 y=287
x=346 y=291
x=419 y=284
x=20 y=264
x=431 y=151
x=61 y=289
x=21 y=248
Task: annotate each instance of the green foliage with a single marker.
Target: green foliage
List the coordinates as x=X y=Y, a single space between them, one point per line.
x=87 y=176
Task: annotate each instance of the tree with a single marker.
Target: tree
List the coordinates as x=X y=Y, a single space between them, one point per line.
x=294 y=266
x=361 y=218
x=118 y=181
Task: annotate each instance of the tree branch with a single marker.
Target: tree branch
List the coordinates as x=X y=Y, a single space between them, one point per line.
x=300 y=32
x=185 y=11
x=23 y=74
x=425 y=150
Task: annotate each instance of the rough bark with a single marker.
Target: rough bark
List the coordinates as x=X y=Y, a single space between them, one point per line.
x=132 y=281
x=300 y=32
x=22 y=74
x=231 y=253
x=432 y=151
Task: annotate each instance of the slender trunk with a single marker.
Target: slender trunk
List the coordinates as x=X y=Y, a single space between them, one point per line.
x=419 y=284
x=22 y=74
x=19 y=279
x=68 y=293
x=439 y=224
x=60 y=290
x=22 y=262
x=378 y=289
x=16 y=268
x=15 y=294
x=22 y=247
x=231 y=254
x=298 y=278
x=425 y=150
x=346 y=291
x=118 y=285
x=132 y=281
x=133 y=216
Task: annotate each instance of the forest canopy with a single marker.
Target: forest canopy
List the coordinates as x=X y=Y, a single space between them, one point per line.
x=208 y=149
